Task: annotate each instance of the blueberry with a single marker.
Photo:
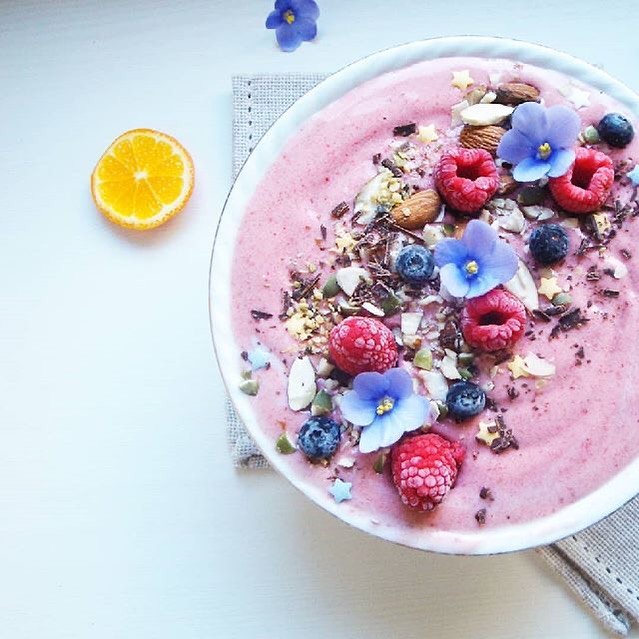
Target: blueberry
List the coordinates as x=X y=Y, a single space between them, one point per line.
x=548 y=243
x=415 y=264
x=615 y=129
x=319 y=438
x=464 y=400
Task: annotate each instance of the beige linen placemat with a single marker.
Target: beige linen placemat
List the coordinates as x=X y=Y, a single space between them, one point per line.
x=601 y=564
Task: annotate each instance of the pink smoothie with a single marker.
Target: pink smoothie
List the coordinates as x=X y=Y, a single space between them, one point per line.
x=575 y=430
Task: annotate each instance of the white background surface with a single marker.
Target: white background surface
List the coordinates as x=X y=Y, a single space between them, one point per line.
x=120 y=514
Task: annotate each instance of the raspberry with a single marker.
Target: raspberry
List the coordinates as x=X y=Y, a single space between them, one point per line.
x=425 y=468
x=493 y=321
x=359 y=344
x=467 y=178
x=586 y=185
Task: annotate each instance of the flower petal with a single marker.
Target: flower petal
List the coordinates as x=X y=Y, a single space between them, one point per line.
x=450 y=250
x=274 y=20
x=454 y=280
x=530 y=120
x=530 y=170
x=515 y=147
x=282 y=5
x=370 y=386
x=563 y=127
x=400 y=383
x=305 y=9
x=560 y=162
x=479 y=239
x=356 y=410
x=501 y=264
x=409 y=413
x=306 y=28
x=287 y=37
x=372 y=436
x=481 y=285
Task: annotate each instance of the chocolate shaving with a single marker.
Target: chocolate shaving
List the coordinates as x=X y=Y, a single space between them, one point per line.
x=506 y=438
x=286 y=304
x=593 y=274
x=542 y=315
x=480 y=516
x=244 y=356
x=513 y=393
x=392 y=167
x=323 y=231
x=608 y=292
x=306 y=288
x=486 y=493
x=376 y=158
x=450 y=336
x=340 y=210
x=626 y=254
x=570 y=320
x=405 y=130
x=260 y=315
x=416 y=237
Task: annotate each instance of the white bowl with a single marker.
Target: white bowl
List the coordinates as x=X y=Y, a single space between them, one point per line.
x=577 y=516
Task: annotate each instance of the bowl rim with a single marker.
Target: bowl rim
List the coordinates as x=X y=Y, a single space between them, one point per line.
x=581 y=514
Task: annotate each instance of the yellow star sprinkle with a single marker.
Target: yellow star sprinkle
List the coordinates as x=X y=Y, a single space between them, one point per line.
x=518 y=367
x=427 y=134
x=462 y=79
x=484 y=435
x=549 y=287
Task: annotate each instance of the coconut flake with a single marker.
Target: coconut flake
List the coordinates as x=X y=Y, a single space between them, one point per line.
x=435 y=383
x=485 y=114
x=410 y=323
x=538 y=367
x=523 y=286
x=365 y=202
x=301 y=384
x=349 y=278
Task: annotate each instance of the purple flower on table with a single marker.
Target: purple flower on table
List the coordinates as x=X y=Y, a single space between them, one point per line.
x=385 y=406
x=294 y=22
x=540 y=141
x=477 y=263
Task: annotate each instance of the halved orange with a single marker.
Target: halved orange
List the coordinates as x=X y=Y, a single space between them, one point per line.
x=143 y=179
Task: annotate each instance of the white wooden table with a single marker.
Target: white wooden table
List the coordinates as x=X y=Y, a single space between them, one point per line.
x=120 y=514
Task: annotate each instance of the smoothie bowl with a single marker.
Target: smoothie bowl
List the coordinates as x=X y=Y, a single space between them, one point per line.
x=423 y=295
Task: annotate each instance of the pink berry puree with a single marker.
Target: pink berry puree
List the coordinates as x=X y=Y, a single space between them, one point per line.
x=575 y=428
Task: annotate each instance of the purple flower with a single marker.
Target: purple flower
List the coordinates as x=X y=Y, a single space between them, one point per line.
x=477 y=263
x=540 y=141
x=385 y=406
x=294 y=22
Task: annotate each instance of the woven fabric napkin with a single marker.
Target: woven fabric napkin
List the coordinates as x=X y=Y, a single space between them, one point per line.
x=601 y=564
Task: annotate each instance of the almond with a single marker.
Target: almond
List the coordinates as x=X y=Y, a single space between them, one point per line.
x=516 y=93
x=481 y=137
x=417 y=210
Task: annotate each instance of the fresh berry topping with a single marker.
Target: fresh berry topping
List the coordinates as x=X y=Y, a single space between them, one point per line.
x=319 y=438
x=586 y=185
x=415 y=264
x=616 y=129
x=494 y=321
x=425 y=468
x=467 y=178
x=464 y=400
x=549 y=243
x=359 y=344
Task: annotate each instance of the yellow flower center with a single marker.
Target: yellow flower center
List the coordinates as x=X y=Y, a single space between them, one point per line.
x=289 y=16
x=385 y=406
x=544 y=150
x=472 y=267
